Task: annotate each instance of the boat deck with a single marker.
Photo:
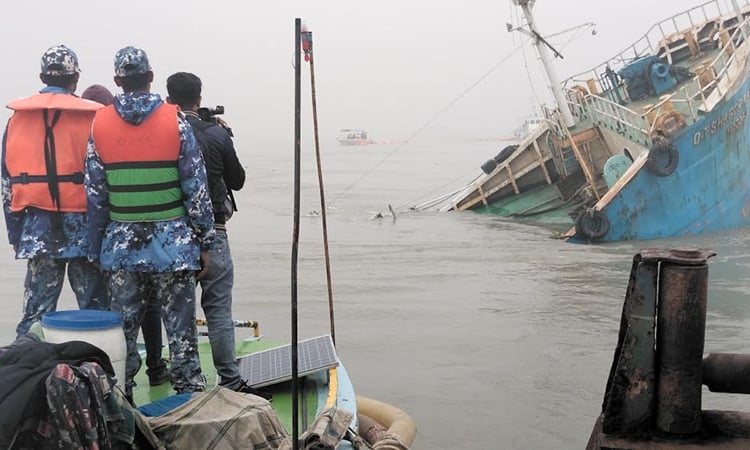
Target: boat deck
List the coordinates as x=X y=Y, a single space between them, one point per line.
x=705 y=47
x=310 y=395
x=541 y=205
x=676 y=97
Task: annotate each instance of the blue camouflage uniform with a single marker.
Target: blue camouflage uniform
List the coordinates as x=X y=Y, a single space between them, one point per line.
x=52 y=241
x=159 y=257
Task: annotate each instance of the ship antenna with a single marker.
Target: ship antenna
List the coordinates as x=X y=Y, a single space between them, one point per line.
x=543 y=48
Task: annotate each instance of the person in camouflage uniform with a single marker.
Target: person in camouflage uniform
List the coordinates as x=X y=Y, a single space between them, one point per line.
x=42 y=188
x=150 y=216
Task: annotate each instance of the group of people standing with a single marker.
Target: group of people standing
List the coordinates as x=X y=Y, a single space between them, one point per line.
x=128 y=194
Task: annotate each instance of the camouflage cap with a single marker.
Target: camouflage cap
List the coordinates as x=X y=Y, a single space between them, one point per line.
x=131 y=61
x=59 y=60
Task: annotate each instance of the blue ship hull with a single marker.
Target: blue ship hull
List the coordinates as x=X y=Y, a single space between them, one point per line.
x=708 y=191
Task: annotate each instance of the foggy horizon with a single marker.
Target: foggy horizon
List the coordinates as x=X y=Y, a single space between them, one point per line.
x=386 y=67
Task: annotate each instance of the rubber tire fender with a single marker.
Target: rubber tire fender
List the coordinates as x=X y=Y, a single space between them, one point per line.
x=489 y=166
x=592 y=224
x=505 y=153
x=661 y=146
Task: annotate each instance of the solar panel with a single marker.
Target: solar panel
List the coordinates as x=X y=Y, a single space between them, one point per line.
x=274 y=365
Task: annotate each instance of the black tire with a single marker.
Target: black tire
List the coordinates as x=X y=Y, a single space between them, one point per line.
x=489 y=166
x=592 y=225
x=505 y=153
x=662 y=151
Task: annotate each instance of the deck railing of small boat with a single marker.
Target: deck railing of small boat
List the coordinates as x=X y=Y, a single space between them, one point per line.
x=201 y=322
x=699 y=18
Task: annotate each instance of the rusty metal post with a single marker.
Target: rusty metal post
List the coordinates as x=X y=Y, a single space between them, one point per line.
x=630 y=395
x=727 y=372
x=680 y=329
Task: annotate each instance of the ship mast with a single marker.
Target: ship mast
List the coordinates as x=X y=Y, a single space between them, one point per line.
x=544 y=54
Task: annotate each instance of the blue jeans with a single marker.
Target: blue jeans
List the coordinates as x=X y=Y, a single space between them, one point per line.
x=176 y=293
x=216 y=300
x=44 y=281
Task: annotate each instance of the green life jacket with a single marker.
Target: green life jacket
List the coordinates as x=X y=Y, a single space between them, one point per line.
x=140 y=162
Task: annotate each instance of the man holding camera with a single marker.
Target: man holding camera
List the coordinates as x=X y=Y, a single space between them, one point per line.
x=225 y=173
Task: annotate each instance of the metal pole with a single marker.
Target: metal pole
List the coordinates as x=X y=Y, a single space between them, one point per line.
x=740 y=17
x=307 y=37
x=738 y=11
x=295 y=230
x=546 y=58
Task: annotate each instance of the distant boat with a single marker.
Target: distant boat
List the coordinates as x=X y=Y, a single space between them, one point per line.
x=353 y=137
x=651 y=143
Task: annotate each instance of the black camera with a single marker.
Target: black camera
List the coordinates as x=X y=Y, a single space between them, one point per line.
x=209 y=115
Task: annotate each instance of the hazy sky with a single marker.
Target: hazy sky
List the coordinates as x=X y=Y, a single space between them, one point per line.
x=386 y=66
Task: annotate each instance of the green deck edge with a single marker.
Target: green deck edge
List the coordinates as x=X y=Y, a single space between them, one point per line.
x=542 y=198
x=282 y=392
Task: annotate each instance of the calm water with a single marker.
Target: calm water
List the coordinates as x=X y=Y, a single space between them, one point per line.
x=489 y=333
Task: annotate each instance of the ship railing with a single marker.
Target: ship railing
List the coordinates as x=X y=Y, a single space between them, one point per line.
x=654 y=40
x=477 y=189
x=692 y=99
x=701 y=94
x=620 y=119
x=604 y=112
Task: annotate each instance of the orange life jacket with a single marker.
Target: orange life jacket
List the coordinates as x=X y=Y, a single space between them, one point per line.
x=155 y=139
x=45 y=149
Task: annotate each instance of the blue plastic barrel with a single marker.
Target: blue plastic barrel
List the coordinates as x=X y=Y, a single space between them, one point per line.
x=84 y=319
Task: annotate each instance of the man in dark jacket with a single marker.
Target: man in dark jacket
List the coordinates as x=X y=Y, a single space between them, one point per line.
x=225 y=173
x=224 y=170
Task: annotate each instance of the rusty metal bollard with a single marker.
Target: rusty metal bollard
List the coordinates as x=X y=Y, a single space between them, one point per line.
x=631 y=389
x=680 y=330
